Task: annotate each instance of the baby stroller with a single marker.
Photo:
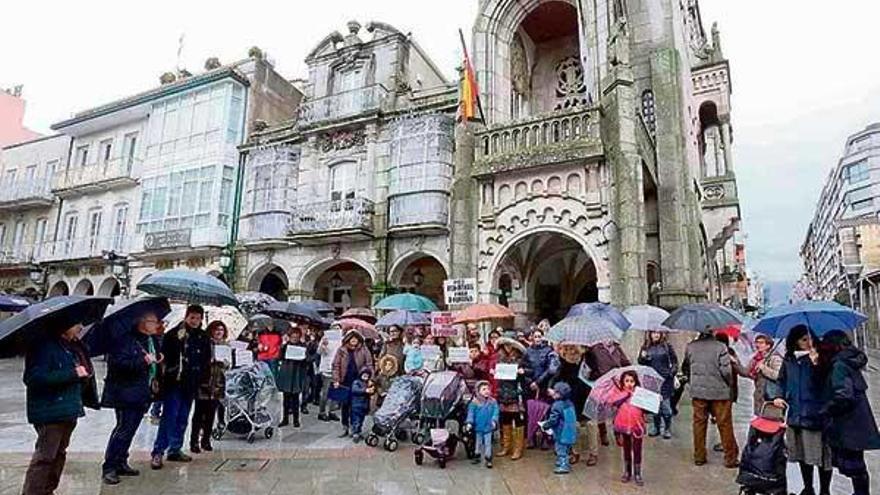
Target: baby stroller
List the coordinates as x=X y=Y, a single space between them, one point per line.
x=249 y=390
x=762 y=467
x=442 y=401
x=401 y=402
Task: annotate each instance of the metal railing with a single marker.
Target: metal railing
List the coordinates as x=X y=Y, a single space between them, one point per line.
x=36 y=188
x=266 y=225
x=81 y=248
x=538 y=132
x=341 y=105
x=14 y=255
x=328 y=216
x=94 y=173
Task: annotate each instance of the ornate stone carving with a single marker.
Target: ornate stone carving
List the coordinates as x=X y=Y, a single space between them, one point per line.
x=713 y=192
x=519 y=67
x=571 y=88
x=341 y=140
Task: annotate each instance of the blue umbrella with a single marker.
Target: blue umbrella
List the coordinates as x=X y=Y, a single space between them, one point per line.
x=190 y=286
x=407 y=301
x=121 y=318
x=12 y=303
x=55 y=314
x=600 y=310
x=296 y=312
x=701 y=317
x=820 y=317
x=403 y=318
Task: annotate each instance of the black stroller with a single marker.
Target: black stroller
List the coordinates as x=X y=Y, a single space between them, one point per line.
x=443 y=399
x=400 y=404
x=762 y=467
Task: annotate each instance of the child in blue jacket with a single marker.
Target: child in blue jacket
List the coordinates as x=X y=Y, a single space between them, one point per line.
x=562 y=425
x=361 y=389
x=482 y=418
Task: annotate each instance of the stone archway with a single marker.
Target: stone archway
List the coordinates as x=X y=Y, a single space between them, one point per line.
x=270 y=279
x=59 y=289
x=109 y=287
x=341 y=282
x=84 y=288
x=420 y=273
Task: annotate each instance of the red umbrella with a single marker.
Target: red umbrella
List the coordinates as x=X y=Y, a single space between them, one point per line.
x=732 y=331
x=366 y=329
x=483 y=312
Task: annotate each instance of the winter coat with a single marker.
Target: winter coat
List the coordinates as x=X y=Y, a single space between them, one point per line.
x=629 y=419
x=801 y=386
x=187 y=354
x=562 y=419
x=851 y=424
x=394 y=348
x=272 y=343
x=601 y=359
x=541 y=363
x=707 y=364
x=483 y=415
x=414 y=360
x=765 y=373
x=360 y=399
x=362 y=360
x=54 y=391
x=293 y=376
x=569 y=373
x=213 y=385
x=128 y=376
x=510 y=392
x=662 y=359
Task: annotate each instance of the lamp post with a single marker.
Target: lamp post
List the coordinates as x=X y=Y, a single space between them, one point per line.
x=227 y=264
x=119 y=268
x=37 y=274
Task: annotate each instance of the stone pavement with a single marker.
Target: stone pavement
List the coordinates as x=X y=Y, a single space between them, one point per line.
x=312 y=461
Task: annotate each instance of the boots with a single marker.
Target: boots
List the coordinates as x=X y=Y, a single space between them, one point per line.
x=194 y=442
x=506 y=433
x=206 y=443
x=637 y=475
x=627 y=473
x=518 y=443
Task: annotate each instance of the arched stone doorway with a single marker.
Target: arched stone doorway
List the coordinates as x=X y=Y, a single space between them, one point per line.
x=342 y=283
x=275 y=284
x=420 y=273
x=543 y=274
x=59 y=289
x=84 y=288
x=109 y=288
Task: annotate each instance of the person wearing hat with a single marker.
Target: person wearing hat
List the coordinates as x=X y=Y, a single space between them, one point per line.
x=511 y=399
x=350 y=361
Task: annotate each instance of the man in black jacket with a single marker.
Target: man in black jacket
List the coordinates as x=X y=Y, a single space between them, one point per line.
x=187 y=352
x=132 y=364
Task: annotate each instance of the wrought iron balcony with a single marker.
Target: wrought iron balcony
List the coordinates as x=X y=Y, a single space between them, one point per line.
x=264 y=227
x=26 y=194
x=81 y=248
x=341 y=218
x=111 y=174
x=342 y=105
x=16 y=255
x=544 y=139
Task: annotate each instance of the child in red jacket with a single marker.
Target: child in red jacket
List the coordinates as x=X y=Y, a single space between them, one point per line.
x=629 y=429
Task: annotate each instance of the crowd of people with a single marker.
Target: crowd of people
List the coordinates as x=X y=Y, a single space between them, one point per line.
x=818 y=381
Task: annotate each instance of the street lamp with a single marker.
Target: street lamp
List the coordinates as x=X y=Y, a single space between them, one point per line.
x=335 y=280
x=119 y=268
x=418 y=277
x=38 y=276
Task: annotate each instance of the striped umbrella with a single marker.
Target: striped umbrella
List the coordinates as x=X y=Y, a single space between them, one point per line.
x=190 y=286
x=584 y=330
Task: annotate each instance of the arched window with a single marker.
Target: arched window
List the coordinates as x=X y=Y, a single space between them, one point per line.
x=342 y=180
x=648 y=111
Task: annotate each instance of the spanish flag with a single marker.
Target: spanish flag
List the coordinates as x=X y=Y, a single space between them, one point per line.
x=469 y=94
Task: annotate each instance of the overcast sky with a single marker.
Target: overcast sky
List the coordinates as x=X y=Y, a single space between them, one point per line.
x=805 y=75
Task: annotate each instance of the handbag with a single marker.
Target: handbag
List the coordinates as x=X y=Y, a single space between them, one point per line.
x=339 y=394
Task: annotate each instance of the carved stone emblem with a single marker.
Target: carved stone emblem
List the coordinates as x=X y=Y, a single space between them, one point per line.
x=341 y=140
x=714 y=192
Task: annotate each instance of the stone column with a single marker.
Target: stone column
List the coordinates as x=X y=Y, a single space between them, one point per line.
x=464 y=206
x=626 y=242
x=727 y=144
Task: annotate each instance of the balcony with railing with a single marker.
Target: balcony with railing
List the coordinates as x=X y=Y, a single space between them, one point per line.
x=80 y=248
x=266 y=227
x=23 y=194
x=344 y=105
x=94 y=177
x=17 y=255
x=557 y=137
x=343 y=219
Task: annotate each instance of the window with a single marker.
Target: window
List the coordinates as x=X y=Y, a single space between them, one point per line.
x=94 y=229
x=2 y=234
x=70 y=225
x=178 y=200
x=129 y=145
x=53 y=167
x=864 y=204
x=225 y=197
x=30 y=174
x=82 y=155
x=39 y=235
x=9 y=178
x=648 y=111
x=18 y=236
x=120 y=218
x=106 y=147
x=857 y=172
x=342 y=181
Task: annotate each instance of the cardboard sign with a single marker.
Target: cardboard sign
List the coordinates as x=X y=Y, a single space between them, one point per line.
x=295 y=353
x=458 y=355
x=506 y=371
x=333 y=335
x=243 y=358
x=222 y=353
x=430 y=352
x=646 y=400
x=238 y=345
x=441 y=324
x=460 y=291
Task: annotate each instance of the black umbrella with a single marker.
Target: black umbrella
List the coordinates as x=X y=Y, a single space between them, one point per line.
x=56 y=314
x=703 y=317
x=296 y=312
x=121 y=318
x=323 y=308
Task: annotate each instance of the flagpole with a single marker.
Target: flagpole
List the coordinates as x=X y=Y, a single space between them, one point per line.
x=468 y=58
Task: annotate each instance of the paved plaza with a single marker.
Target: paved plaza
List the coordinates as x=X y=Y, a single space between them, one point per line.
x=311 y=460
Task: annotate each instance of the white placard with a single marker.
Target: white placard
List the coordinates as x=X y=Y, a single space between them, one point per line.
x=646 y=400
x=430 y=352
x=333 y=335
x=505 y=371
x=460 y=291
x=295 y=353
x=458 y=355
x=222 y=353
x=243 y=358
x=584 y=374
x=239 y=345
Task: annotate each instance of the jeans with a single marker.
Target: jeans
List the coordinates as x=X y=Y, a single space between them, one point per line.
x=563 y=463
x=127 y=422
x=346 y=413
x=175 y=418
x=663 y=419
x=723 y=412
x=484 y=444
x=325 y=388
x=50 y=453
x=203 y=421
x=291 y=405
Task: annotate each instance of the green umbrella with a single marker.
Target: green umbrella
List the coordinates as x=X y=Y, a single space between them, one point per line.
x=409 y=302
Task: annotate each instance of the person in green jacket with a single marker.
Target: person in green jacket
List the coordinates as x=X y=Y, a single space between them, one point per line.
x=55 y=373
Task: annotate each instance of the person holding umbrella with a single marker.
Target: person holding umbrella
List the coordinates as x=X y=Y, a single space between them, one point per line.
x=659 y=354
x=57 y=373
x=600 y=359
x=187 y=351
x=352 y=359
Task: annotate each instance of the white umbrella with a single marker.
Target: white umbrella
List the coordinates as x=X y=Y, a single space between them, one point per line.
x=231 y=317
x=646 y=317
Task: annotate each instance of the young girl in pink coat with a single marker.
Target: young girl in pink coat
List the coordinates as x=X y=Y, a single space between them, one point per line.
x=629 y=429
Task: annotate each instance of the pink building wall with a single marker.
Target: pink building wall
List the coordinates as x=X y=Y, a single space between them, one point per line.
x=12 y=129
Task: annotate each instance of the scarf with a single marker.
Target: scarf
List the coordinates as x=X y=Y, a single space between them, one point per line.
x=756 y=362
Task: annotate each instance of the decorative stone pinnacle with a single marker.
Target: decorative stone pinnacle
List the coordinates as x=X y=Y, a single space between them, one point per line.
x=354 y=27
